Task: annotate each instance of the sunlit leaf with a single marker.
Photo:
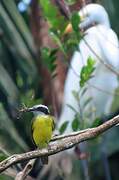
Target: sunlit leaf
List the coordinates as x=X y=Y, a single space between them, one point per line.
x=51 y=13
x=87 y=71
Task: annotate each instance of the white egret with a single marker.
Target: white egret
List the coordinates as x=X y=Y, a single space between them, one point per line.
x=101 y=43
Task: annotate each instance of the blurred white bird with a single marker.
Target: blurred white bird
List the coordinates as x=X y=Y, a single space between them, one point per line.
x=101 y=43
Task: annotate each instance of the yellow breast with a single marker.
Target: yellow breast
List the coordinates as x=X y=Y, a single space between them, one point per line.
x=42 y=128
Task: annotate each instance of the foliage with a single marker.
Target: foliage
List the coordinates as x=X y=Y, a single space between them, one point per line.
x=86 y=71
x=19 y=78
x=63 y=127
x=75 y=20
x=76 y=123
x=17 y=73
x=49 y=57
x=58 y=27
x=57 y=24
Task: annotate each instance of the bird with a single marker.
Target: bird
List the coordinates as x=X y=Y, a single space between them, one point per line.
x=99 y=42
x=41 y=128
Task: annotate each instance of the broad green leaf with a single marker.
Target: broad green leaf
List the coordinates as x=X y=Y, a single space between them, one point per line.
x=7 y=125
x=57 y=40
x=63 y=127
x=8 y=85
x=19 y=22
x=75 y=123
x=16 y=42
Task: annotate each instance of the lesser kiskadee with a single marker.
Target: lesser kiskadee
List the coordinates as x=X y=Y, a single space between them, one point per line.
x=42 y=127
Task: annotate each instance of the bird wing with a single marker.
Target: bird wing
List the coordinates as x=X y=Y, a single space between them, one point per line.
x=32 y=129
x=53 y=123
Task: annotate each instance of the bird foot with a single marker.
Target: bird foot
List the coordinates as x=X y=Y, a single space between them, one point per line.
x=54 y=135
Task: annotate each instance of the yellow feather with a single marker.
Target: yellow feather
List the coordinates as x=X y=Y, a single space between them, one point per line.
x=42 y=129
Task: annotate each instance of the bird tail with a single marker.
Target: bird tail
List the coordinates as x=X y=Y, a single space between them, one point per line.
x=44 y=160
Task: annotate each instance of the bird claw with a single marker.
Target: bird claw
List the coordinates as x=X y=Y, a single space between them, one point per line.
x=54 y=135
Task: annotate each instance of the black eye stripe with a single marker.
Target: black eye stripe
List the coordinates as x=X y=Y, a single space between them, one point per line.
x=44 y=110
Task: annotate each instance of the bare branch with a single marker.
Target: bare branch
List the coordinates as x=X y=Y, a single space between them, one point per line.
x=60 y=143
x=22 y=175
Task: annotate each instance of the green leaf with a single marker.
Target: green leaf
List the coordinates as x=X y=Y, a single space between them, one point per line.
x=75 y=123
x=84 y=90
x=51 y=13
x=72 y=108
x=17 y=45
x=75 y=20
x=7 y=85
x=6 y=177
x=49 y=58
x=7 y=122
x=87 y=102
x=96 y=122
x=63 y=127
x=2 y=156
x=19 y=22
x=71 y=44
x=57 y=40
x=87 y=71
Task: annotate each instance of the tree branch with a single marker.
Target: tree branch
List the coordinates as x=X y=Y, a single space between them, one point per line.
x=60 y=143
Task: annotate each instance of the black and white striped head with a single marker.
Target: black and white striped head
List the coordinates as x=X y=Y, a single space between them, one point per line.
x=39 y=109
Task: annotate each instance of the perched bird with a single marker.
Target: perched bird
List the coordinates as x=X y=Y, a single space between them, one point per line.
x=101 y=43
x=42 y=127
